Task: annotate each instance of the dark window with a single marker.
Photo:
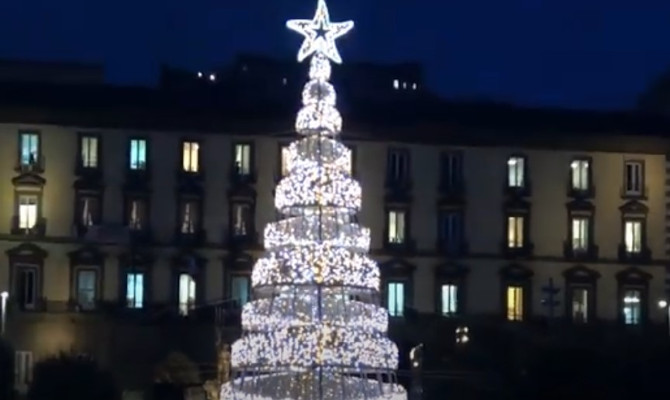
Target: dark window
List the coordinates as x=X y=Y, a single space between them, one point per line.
x=451 y=230
x=26 y=290
x=452 y=170
x=398 y=165
x=88 y=210
x=579 y=304
x=87 y=288
x=241 y=219
x=190 y=215
x=137 y=214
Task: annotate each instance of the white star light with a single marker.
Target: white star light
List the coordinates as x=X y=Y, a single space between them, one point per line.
x=320 y=43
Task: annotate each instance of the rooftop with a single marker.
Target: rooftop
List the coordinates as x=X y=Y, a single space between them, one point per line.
x=425 y=120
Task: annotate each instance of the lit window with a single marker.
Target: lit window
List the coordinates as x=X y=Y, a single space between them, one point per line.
x=189 y=220
x=633 y=236
x=396 y=299
x=212 y=77
x=199 y=74
x=514 y=303
x=190 y=156
x=396 y=84
x=26 y=282
x=580 y=305
x=243 y=159
x=86 y=288
x=27 y=211
x=634 y=178
x=137 y=215
x=241 y=219
x=404 y=85
x=515 y=172
x=284 y=81
x=396 y=227
x=89 y=152
x=29 y=148
x=580 y=174
x=397 y=165
x=284 y=160
x=89 y=208
x=138 y=154
x=515 y=234
x=632 y=307
x=414 y=86
x=580 y=233
x=240 y=285
x=135 y=289
x=186 y=293
x=449 y=295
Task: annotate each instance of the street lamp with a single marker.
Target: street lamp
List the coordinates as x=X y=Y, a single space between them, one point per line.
x=3 y=311
x=663 y=304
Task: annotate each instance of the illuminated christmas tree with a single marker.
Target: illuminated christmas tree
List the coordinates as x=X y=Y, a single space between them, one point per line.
x=315 y=329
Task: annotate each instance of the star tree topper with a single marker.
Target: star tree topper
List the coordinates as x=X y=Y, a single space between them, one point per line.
x=320 y=33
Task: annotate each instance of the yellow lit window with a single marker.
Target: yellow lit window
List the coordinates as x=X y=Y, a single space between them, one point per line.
x=514 y=303
x=190 y=156
x=515 y=237
x=633 y=236
x=89 y=152
x=580 y=233
x=27 y=211
x=284 y=160
x=243 y=159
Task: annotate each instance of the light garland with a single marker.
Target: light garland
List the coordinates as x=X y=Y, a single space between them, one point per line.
x=315 y=329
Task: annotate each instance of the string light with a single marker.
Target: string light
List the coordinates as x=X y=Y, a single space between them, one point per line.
x=315 y=329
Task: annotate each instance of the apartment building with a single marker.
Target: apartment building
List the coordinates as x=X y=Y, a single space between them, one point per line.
x=125 y=217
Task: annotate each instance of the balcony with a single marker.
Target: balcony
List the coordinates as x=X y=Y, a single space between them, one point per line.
x=452 y=191
x=398 y=184
x=406 y=247
x=639 y=257
x=590 y=253
x=34 y=166
x=453 y=248
x=87 y=173
x=190 y=176
x=518 y=191
x=194 y=239
x=37 y=230
x=526 y=250
x=579 y=193
x=239 y=240
x=641 y=194
x=238 y=177
x=140 y=236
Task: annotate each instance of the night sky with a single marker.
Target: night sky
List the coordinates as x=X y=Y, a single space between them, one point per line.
x=567 y=53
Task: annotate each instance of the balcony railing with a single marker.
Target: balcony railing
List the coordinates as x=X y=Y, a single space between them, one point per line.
x=36 y=230
x=35 y=165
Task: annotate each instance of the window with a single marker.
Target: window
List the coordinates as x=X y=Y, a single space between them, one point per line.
x=186 y=293
x=241 y=214
x=240 y=285
x=396 y=84
x=633 y=236
x=89 y=151
x=23 y=369
x=189 y=217
x=26 y=282
x=449 y=295
x=396 y=299
x=515 y=232
x=579 y=172
x=135 y=289
x=451 y=230
x=190 y=157
x=243 y=159
x=137 y=214
x=86 y=288
x=634 y=178
x=514 y=303
x=579 y=304
x=398 y=165
x=351 y=161
x=29 y=148
x=452 y=170
x=580 y=233
x=284 y=160
x=89 y=210
x=632 y=307
x=516 y=172
x=138 y=154
x=396 y=227
x=27 y=211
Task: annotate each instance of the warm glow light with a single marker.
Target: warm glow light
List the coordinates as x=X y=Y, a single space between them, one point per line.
x=315 y=324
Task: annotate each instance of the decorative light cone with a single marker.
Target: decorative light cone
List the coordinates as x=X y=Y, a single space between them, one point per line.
x=315 y=330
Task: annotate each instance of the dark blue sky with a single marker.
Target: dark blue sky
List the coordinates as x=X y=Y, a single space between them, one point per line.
x=573 y=53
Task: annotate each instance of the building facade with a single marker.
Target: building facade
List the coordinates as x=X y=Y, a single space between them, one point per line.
x=118 y=232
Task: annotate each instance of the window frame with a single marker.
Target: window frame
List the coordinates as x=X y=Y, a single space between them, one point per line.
x=627 y=191
x=196 y=218
x=234 y=276
x=38 y=215
x=398 y=172
x=643 y=237
x=512 y=165
x=17 y=269
x=184 y=308
x=96 y=286
x=589 y=289
x=38 y=156
x=446 y=244
x=640 y=305
x=81 y=164
x=523 y=227
x=186 y=165
x=515 y=316
x=455 y=297
x=281 y=147
x=451 y=181
x=250 y=224
x=395 y=313
x=129 y=155
x=129 y=199
x=126 y=299
x=405 y=227
x=251 y=161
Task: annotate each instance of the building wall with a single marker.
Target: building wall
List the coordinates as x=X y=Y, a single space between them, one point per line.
x=485 y=174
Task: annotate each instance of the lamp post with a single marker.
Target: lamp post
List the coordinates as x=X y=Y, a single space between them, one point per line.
x=3 y=312
x=663 y=304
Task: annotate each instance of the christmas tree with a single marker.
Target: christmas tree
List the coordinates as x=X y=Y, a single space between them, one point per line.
x=315 y=329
